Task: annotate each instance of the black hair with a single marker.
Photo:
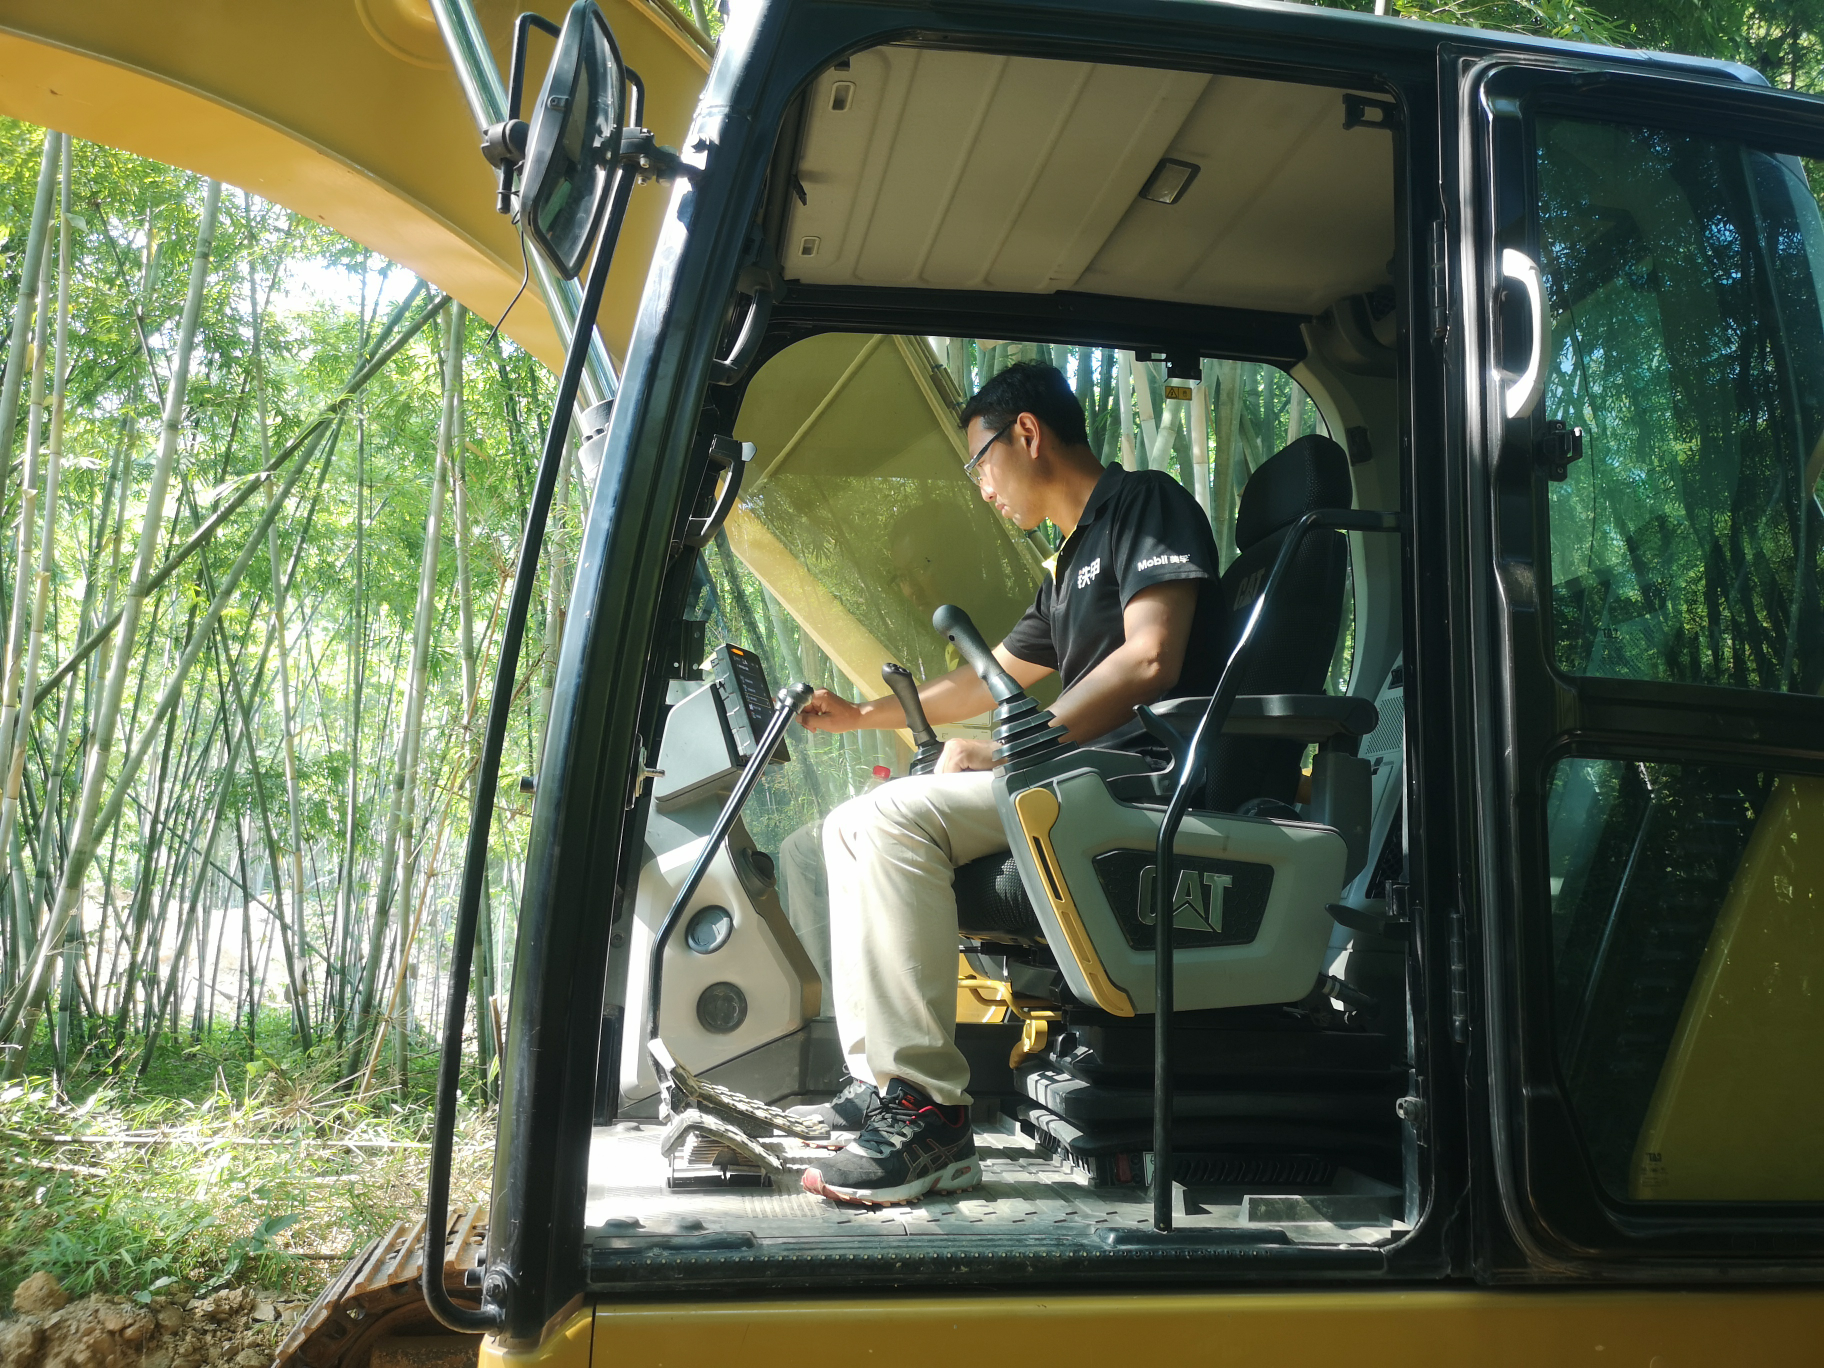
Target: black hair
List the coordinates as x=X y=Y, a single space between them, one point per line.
x=1029 y=387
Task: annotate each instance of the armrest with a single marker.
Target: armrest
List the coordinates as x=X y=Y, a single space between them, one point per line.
x=1291 y=717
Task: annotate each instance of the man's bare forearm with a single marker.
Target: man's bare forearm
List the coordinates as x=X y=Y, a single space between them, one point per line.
x=1106 y=697
x=952 y=697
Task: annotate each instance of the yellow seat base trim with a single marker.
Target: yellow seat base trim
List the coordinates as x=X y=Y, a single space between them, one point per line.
x=1038 y=813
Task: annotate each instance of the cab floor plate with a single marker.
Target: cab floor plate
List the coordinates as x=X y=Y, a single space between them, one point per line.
x=1024 y=1190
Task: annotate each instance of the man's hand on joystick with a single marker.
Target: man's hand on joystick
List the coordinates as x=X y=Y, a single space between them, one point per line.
x=829 y=712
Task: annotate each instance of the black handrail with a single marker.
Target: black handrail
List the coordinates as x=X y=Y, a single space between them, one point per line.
x=1190 y=772
x=492 y=1313
x=787 y=702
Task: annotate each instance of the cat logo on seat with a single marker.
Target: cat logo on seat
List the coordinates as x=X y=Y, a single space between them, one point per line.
x=1196 y=901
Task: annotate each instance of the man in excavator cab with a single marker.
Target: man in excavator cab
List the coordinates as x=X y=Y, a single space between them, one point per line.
x=1131 y=614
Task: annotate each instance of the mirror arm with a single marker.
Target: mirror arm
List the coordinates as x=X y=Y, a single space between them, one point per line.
x=504 y=143
x=516 y=80
x=650 y=161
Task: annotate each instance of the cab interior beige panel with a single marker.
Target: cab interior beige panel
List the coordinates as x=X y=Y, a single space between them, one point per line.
x=953 y=170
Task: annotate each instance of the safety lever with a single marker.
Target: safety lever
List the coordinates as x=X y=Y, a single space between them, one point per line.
x=905 y=689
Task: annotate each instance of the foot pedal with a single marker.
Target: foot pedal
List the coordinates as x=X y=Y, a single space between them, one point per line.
x=681 y=1091
x=707 y=1153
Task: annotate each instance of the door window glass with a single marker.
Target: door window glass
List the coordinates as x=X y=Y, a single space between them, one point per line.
x=1688 y=965
x=1682 y=287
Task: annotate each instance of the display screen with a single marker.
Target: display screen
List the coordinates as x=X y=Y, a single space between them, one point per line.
x=746 y=699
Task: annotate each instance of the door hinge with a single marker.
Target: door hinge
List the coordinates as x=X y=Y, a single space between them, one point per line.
x=1440 y=280
x=1558 y=447
x=1459 y=978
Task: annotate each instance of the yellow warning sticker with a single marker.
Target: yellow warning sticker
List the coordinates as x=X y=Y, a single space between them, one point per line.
x=1180 y=391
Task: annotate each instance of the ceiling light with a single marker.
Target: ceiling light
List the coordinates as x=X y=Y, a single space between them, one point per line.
x=1170 y=179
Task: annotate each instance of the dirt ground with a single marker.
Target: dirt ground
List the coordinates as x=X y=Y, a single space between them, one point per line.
x=236 y=1328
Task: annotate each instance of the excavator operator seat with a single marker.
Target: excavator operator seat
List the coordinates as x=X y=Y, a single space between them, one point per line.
x=1250 y=892
x=1294 y=647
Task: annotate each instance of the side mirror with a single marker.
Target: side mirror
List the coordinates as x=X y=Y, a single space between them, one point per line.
x=573 y=140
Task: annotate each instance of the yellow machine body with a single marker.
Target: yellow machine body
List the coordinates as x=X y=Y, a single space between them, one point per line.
x=1726 y=1122
x=1379 y=1329
x=346 y=111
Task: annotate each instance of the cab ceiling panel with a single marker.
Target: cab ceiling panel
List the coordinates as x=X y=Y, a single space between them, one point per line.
x=1290 y=211
x=965 y=171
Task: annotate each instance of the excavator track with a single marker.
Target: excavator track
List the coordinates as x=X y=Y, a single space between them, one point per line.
x=373 y=1314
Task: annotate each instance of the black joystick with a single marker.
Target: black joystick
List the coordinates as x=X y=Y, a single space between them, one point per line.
x=1024 y=733
x=899 y=679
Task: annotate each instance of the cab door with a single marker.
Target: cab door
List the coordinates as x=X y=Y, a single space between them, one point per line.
x=1641 y=264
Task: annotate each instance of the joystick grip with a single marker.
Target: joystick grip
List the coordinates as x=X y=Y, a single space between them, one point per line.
x=954 y=623
x=899 y=679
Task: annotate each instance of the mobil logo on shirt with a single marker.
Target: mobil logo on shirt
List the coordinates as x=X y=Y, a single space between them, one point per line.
x=1166 y=558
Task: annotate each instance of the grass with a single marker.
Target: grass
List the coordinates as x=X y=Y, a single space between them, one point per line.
x=214 y=1169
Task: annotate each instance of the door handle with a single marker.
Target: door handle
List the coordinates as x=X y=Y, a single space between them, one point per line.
x=1523 y=390
x=728 y=458
x=726 y=370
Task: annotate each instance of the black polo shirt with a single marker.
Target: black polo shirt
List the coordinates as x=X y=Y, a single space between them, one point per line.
x=1139 y=528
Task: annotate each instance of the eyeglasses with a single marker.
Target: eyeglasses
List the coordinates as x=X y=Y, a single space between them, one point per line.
x=973 y=468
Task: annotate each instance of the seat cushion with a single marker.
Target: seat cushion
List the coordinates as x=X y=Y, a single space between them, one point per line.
x=991 y=902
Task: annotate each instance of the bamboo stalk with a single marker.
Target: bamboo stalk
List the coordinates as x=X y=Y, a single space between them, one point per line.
x=30 y=267
x=1228 y=456
x=24 y=680
x=1159 y=451
x=1124 y=406
x=1142 y=372
x=348 y=889
x=24 y=918
x=400 y=812
x=82 y=851
x=300 y=935
x=459 y=484
x=555 y=602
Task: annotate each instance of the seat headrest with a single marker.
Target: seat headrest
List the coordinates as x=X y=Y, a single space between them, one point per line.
x=1312 y=472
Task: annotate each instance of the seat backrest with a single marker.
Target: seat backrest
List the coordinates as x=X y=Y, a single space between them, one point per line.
x=1296 y=641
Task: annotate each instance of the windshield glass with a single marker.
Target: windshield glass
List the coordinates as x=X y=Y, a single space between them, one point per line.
x=1682 y=276
x=856 y=521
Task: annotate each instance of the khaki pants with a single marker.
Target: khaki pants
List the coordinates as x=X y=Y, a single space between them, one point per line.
x=891 y=855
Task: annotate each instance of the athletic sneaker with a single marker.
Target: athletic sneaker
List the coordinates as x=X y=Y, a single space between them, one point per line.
x=844 y=1112
x=907 y=1147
